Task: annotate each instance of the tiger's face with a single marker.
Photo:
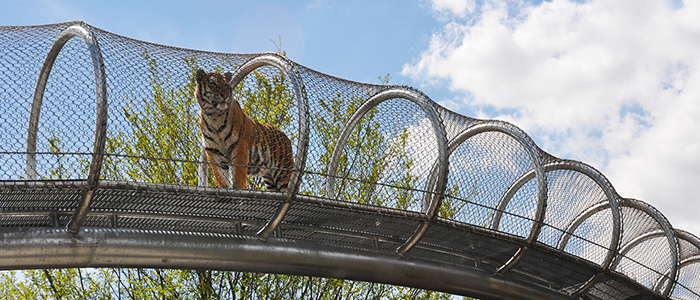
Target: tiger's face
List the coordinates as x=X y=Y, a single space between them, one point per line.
x=213 y=92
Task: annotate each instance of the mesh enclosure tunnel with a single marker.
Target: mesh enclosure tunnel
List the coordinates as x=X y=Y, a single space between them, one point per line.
x=103 y=167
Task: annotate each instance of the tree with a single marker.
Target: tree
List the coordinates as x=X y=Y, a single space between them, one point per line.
x=158 y=147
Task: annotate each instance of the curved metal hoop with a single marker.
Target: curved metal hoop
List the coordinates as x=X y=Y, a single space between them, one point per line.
x=289 y=70
x=538 y=172
x=431 y=201
x=695 y=242
x=101 y=116
x=684 y=263
x=613 y=202
x=666 y=231
x=578 y=220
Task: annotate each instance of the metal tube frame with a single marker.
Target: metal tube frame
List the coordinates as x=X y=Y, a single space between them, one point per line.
x=612 y=202
x=634 y=243
x=689 y=237
x=288 y=68
x=431 y=201
x=666 y=231
x=109 y=247
x=578 y=220
x=85 y=33
x=91 y=247
x=695 y=242
x=684 y=263
x=538 y=172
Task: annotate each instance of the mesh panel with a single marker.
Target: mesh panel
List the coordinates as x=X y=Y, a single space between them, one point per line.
x=647 y=254
x=611 y=288
x=386 y=174
x=688 y=282
x=590 y=240
x=688 y=249
x=31 y=198
x=22 y=51
x=481 y=170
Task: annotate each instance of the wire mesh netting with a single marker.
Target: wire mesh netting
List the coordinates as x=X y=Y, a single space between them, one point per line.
x=375 y=162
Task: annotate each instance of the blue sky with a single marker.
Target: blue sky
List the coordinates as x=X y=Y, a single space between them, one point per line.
x=358 y=40
x=613 y=83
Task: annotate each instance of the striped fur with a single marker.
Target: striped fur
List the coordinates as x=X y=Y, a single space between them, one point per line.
x=233 y=139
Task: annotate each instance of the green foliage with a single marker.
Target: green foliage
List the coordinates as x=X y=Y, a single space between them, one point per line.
x=17 y=288
x=163 y=141
x=268 y=100
x=62 y=284
x=110 y=284
x=405 y=184
x=59 y=170
x=362 y=158
x=454 y=201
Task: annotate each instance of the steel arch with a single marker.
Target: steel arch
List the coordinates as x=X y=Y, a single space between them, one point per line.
x=666 y=231
x=85 y=33
x=683 y=262
x=431 y=201
x=538 y=172
x=694 y=260
x=613 y=202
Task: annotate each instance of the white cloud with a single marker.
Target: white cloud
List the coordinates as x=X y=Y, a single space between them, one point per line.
x=615 y=83
x=457 y=7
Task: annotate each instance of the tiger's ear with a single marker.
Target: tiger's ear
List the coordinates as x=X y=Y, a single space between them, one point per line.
x=200 y=75
x=228 y=76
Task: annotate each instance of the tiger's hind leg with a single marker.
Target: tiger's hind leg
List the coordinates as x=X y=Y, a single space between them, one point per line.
x=275 y=181
x=278 y=176
x=274 y=186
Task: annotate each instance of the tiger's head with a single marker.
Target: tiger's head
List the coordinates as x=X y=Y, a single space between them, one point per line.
x=213 y=92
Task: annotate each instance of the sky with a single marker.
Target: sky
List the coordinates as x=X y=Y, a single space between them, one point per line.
x=612 y=83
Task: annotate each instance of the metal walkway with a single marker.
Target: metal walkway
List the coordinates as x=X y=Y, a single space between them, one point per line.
x=102 y=168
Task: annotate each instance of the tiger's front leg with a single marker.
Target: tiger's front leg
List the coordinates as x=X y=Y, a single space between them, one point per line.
x=240 y=170
x=220 y=169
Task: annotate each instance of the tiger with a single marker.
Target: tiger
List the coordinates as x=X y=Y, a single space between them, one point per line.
x=231 y=138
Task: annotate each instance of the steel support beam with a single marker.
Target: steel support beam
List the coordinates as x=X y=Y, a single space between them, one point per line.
x=94 y=248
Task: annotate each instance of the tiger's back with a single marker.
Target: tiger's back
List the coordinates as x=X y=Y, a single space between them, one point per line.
x=231 y=138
